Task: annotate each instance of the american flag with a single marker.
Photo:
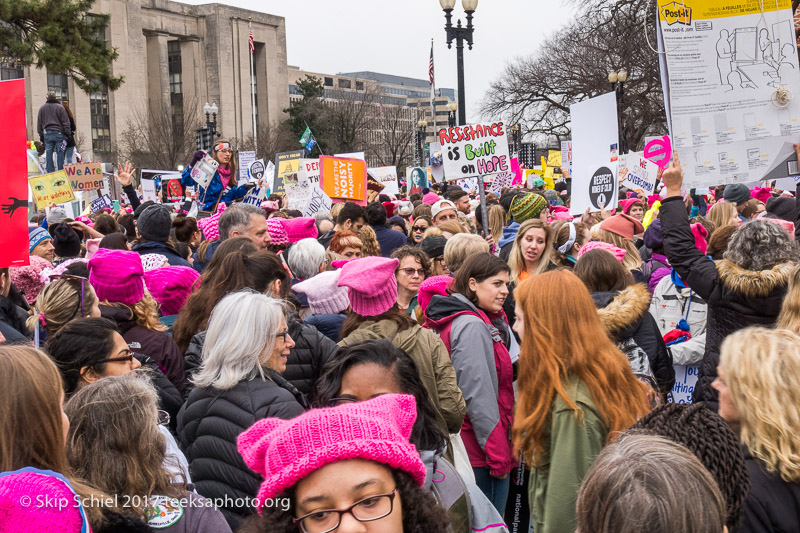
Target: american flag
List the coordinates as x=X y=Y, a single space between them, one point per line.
x=430 y=73
x=252 y=42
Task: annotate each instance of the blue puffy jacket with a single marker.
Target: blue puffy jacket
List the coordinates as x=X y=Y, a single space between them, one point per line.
x=206 y=198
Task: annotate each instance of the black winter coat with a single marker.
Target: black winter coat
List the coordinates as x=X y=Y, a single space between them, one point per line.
x=211 y=421
x=736 y=297
x=773 y=505
x=169 y=399
x=12 y=322
x=626 y=314
x=311 y=350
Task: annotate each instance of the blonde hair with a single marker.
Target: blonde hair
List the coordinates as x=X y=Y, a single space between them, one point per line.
x=432 y=231
x=515 y=260
x=632 y=259
x=789 y=317
x=370 y=246
x=451 y=226
x=145 y=312
x=59 y=302
x=762 y=372
x=721 y=214
x=497 y=220
x=461 y=246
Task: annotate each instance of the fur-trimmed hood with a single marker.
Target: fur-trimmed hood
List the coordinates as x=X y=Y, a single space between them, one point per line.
x=622 y=312
x=753 y=283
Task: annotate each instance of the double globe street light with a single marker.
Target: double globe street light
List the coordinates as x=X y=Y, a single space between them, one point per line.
x=460 y=34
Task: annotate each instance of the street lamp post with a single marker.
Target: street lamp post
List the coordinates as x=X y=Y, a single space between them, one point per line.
x=422 y=124
x=451 y=114
x=460 y=34
x=617 y=80
x=204 y=137
x=515 y=138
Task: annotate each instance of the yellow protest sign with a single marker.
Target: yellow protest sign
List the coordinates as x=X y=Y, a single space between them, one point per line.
x=554 y=158
x=51 y=188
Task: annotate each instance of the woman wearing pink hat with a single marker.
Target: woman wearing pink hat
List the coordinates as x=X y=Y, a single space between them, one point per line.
x=372 y=289
x=345 y=468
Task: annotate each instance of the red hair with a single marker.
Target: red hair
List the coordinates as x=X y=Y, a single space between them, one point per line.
x=564 y=337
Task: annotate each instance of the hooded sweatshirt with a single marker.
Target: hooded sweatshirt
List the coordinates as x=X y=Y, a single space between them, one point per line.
x=477 y=345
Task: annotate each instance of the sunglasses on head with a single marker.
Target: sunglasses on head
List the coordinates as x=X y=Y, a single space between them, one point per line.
x=72 y=278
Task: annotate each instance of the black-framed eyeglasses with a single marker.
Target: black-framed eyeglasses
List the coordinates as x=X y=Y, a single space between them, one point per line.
x=366 y=510
x=282 y=335
x=72 y=278
x=121 y=359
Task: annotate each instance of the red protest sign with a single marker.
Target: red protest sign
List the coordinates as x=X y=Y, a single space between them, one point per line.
x=13 y=176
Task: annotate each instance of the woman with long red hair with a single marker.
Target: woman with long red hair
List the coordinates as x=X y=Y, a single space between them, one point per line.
x=576 y=389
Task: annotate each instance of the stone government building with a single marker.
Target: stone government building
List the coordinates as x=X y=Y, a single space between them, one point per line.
x=178 y=53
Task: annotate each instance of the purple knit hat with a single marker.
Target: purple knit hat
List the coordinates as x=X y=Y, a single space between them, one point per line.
x=430 y=198
x=28 y=278
x=371 y=284
x=300 y=228
x=324 y=294
x=285 y=451
x=117 y=276
x=277 y=233
x=171 y=286
x=31 y=485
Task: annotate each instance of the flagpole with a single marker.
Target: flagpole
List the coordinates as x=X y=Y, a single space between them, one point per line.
x=253 y=85
x=433 y=92
x=316 y=142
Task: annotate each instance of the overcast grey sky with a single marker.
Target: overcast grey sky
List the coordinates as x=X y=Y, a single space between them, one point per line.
x=331 y=36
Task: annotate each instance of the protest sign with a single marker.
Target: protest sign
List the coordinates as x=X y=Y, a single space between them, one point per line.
x=287 y=164
x=309 y=171
x=171 y=190
x=104 y=202
x=14 y=172
x=501 y=181
x=352 y=155
x=595 y=141
x=639 y=173
x=245 y=159
x=203 y=171
x=566 y=154
x=785 y=171
x=417 y=179
x=517 y=171
x=269 y=177
x=298 y=194
x=85 y=176
x=319 y=202
x=256 y=170
x=51 y=188
x=685 y=380
x=436 y=162
x=474 y=150
x=255 y=196
x=725 y=67
x=150 y=189
x=386 y=176
x=344 y=178
x=658 y=150
x=468 y=184
x=554 y=159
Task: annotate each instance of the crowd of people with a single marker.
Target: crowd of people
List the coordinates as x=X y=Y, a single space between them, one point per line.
x=406 y=365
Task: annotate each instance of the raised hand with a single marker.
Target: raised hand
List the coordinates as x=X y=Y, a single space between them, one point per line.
x=13 y=205
x=125 y=174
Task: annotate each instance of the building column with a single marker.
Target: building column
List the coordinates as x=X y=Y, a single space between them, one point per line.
x=157 y=69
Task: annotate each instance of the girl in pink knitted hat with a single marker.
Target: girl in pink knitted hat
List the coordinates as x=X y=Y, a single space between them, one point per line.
x=344 y=468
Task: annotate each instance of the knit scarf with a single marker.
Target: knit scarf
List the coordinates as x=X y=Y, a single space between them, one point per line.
x=224 y=176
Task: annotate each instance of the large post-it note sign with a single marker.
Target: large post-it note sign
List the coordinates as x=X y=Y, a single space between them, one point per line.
x=51 y=188
x=85 y=176
x=474 y=150
x=344 y=178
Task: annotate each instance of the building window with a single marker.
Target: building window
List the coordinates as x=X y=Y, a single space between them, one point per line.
x=344 y=84
x=175 y=69
x=328 y=82
x=11 y=70
x=359 y=86
x=58 y=84
x=101 y=121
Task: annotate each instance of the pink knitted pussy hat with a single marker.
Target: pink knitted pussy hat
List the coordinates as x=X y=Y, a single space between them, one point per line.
x=277 y=232
x=619 y=253
x=371 y=284
x=117 y=276
x=285 y=451
x=430 y=198
x=435 y=285
x=300 y=228
x=210 y=225
x=324 y=294
x=36 y=488
x=171 y=286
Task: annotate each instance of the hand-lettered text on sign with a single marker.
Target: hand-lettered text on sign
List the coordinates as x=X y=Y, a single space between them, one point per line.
x=473 y=150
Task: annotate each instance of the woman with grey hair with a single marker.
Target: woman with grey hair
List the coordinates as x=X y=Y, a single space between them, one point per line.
x=649 y=483
x=745 y=289
x=239 y=382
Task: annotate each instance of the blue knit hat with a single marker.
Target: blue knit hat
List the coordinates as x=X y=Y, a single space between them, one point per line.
x=36 y=234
